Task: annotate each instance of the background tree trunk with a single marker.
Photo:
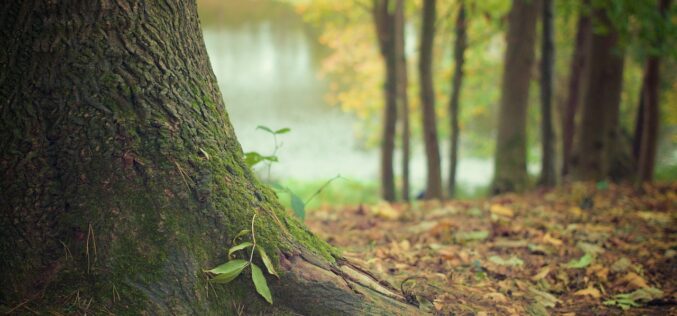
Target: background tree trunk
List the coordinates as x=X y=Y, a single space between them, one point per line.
x=122 y=178
x=597 y=142
x=433 y=188
x=402 y=98
x=576 y=87
x=548 y=175
x=510 y=172
x=648 y=113
x=385 y=30
x=459 y=49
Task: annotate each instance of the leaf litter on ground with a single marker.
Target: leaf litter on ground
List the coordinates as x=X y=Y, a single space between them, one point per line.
x=576 y=250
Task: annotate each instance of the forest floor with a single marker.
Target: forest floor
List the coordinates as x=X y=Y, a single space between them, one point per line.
x=583 y=249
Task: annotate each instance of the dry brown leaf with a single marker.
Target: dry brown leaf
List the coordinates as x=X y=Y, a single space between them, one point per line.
x=552 y=240
x=496 y=297
x=634 y=280
x=589 y=291
x=541 y=274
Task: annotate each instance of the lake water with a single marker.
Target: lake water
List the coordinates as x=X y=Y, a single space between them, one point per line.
x=268 y=74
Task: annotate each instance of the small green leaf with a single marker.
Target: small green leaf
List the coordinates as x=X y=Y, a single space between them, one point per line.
x=267 y=262
x=228 y=271
x=580 y=263
x=297 y=205
x=243 y=232
x=239 y=247
x=283 y=130
x=252 y=158
x=260 y=283
x=265 y=128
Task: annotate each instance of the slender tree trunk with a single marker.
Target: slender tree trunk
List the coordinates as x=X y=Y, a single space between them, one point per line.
x=384 y=21
x=548 y=174
x=459 y=49
x=122 y=179
x=402 y=98
x=649 y=113
x=510 y=158
x=598 y=140
x=434 y=175
x=576 y=88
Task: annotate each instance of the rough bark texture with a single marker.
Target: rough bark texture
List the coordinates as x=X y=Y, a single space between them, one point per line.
x=646 y=135
x=576 y=88
x=510 y=157
x=433 y=188
x=122 y=179
x=384 y=21
x=459 y=49
x=597 y=145
x=548 y=175
x=402 y=97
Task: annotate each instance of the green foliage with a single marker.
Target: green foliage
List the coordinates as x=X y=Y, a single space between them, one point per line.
x=581 y=263
x=634 y=299
x=230 y=270
x=260 y=283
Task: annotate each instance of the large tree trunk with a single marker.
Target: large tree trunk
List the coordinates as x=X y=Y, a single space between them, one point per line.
x=402 y=98
x=548 y=175
x=597 y=145
x=576 y=88
x=510 y=163
x=459 y=49
x=384 y=21
x=646 y=135
x=433 y=188
x=122 y=179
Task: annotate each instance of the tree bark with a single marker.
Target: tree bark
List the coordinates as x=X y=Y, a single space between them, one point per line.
x=576 y=88
x=122 y=178
x=597 y=143
x=459 y=49
x=385 y=30
x=402 y=97
x=648 y=113
x=433 y=188
x=548 y=175
x=510 y=172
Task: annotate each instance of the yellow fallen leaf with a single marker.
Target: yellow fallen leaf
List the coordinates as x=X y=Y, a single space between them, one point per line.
x=635 y=280
x=496 y=297
x=501 y=210
x=590 y=291
x=576 y=211
x=386 y=211
x=541 y=274
x=552 y=240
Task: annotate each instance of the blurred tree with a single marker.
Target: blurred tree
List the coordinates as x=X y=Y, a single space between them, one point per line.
x=646 y=132
x=384 y=20
x=548 y=174
x=402 y=96
x=598 y=143
x=576 y=85
x=433 y=188
x=460 y=45
x=510 y=172
x=122 y=178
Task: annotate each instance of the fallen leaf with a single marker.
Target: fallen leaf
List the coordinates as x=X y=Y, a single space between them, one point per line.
x=552 y=240
x=496 y=297
x=541 y=274
x=634 y=280
x=589 y=291
x=501 y=210
x=581 y=262
x=512 y=261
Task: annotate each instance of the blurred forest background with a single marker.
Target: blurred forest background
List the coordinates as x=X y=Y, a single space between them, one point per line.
x=544 y=94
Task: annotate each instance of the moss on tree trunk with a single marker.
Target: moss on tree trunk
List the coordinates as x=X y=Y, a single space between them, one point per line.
x=122 y=178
